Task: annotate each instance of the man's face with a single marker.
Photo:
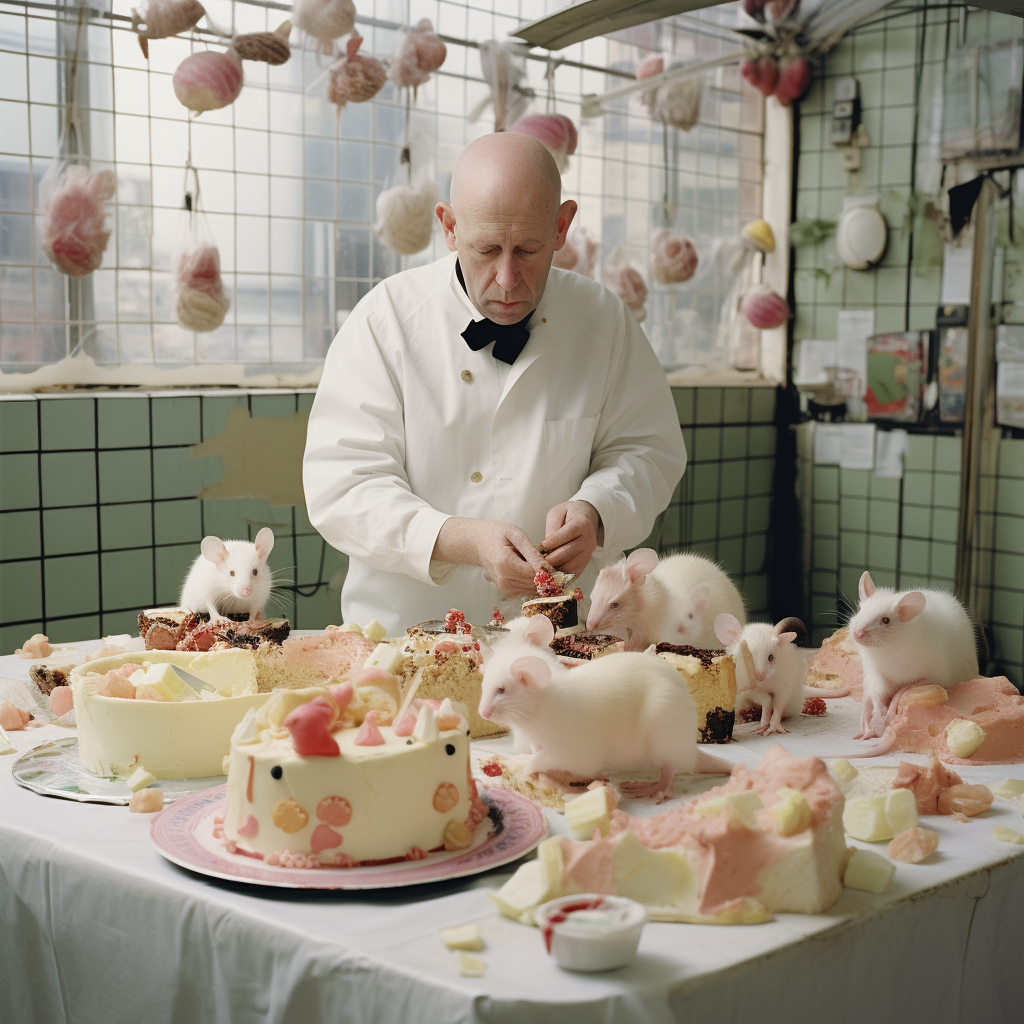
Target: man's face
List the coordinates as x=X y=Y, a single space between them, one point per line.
x=505 y=254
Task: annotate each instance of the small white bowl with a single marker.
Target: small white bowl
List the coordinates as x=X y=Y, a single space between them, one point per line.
x=591 y=932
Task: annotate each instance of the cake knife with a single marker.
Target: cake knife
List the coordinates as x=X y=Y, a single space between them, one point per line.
x=194 y=681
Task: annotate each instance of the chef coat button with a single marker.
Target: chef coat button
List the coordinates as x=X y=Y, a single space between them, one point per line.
x=467 y=376
x=476 y=477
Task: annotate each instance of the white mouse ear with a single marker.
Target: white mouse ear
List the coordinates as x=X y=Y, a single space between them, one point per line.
x=640 y=564
x=701 y=595
x=539 y=631
x=727 y=629
x=784 y=638
x=909 y=606
x=213 y=550
x=531 y=671
x=264 y=543
x=866 y=587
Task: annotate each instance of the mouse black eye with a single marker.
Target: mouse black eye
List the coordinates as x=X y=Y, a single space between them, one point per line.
x=885 y=620
x=255 y=571
x=771 y=657
x=501 y=689
x=615 y=604
x=232 y=573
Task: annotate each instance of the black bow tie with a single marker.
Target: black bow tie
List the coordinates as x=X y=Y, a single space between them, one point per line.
x=509 y=339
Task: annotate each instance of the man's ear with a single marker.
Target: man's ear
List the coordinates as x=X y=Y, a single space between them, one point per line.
x=566 y=212
x=446 y=215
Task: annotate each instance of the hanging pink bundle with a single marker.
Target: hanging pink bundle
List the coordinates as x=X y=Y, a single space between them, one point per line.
x=555 y=131
x=324 y=20
x=74 y=228
x=202 y=304
x=786 y=82
x=765 y=308
x=673 y=257
x=579 y=252
x=208 y=80
x=626 y=282
x=355 y=78
x=419 y=51
x=163 y=18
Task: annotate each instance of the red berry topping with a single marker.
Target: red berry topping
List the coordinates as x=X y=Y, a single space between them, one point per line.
x=492 y=769
x=497 y=618
x=577 y=594
x=455 y=622
x=545 y=584
x=814 y=706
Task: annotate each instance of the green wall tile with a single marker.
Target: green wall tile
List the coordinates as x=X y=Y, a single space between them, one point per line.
x=709 y=405
x=172 y=566
x=730 y=517
x=1009 y=496
x=1010 y=534
x=826 y=483
x=758 y=510
x=854 y=482
x=69 y=478
x=176 y=420
x=126 y=526
x=946 y=490
x=21 y=595
x=762 y=405
x=917 y=521
x=19 y=535
x=278 y=406
x=759 y=476
x=734 y=443
x=733 y=480
x=318 y=610
x=826 y=552
x=67 y=423
x=1009 y=643
x=1011 y=457
x=69 y=631
x=123 y=422
x=1008 y=606
x=756 y=553
x=1009 y=571
x=178 y=521
x=883 y=578
x=19 y=428
x=68 y=531
x=128 y=579
x=177 y=475
x=705 y=480
x=736 y=405
x=755 y=591
x=853 y=514
x=884 y=487
x=19 y=481
x=947 y=454
x=215 y=412
x=704 y=522
x=125 y=476
x=72 y=585
x=917 y=488
x=306 y=401
x=730 y=556
x=881 y=552
x=120 y=622
x=883 y=517
x=684 y=400
x=762 y=441
x=943 y=560
x=826 y=519
x=706 y=444
x=914 y=556
x=854 y=547
x=12 y=637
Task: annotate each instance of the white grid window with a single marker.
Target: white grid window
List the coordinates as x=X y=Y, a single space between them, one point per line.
x=289 y=189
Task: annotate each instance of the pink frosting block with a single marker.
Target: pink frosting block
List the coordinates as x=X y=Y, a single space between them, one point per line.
x=406 y=725
x=369 y=735
x=324 y=838
x=249 y=828
x=310 y=725
x=61 y=700
x=839 y=657
x=341 y=694
x=13 y=718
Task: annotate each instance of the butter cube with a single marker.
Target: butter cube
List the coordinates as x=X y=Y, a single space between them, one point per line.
x=350 y=627
x=588 y=811
x=869 y=871
x=471 y=966
x=865 y=818
x=161 y=682
x=792 y=813
x=140 y=779
x=385 y=657
x=842 y=771
x=374 y=631
x=742 y=804
x=1008 y=789
x=1007 y=835
x=529 y=887
x=463 y=936
x=901 y=810
x=963 y=737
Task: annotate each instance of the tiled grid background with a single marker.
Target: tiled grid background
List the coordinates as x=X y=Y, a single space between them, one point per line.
x=99 y=514
x=904 y=532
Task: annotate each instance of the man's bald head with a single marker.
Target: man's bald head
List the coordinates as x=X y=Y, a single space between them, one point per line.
x=506 y=222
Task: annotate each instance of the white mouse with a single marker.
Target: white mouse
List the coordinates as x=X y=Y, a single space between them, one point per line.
x=230 y=576
x=904 y=638
x=770 y=669
x=621 y=713
x=675 y=600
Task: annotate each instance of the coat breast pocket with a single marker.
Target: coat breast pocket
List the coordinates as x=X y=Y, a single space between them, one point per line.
x=567 y=449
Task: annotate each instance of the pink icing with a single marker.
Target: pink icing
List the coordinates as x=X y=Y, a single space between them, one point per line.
x=369 y=735
x=342 y=694
x=838 y=657
x=310 y=725
x=926 y=783
x=13 y=718
x=335 y=810
x=324 y=838
x=249 y=828
x=61 y=700
x=406 y=725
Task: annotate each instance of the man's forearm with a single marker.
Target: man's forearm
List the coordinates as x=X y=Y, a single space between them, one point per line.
x=457 y=542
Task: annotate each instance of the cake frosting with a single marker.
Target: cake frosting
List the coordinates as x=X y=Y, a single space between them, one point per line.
x=173 y=739
x=837 y=665
x=319 y=777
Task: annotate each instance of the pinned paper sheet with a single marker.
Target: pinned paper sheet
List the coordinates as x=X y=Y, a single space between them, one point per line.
x=890 y=447
x=852 y=445
x=957 y=267
x=814 y=357
x=854 y=327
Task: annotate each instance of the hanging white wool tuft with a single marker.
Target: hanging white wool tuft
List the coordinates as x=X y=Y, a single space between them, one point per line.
x=625 y=280
x=324 y=20
x=673 y=257
x=405 y=217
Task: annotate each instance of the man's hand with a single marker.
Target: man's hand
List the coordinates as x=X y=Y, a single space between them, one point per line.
x=574 y=530
x=505 y=553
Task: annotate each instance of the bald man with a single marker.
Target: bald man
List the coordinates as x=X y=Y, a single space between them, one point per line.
x=487 y=415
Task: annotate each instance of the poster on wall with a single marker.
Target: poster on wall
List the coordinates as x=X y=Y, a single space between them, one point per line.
x=897 y=367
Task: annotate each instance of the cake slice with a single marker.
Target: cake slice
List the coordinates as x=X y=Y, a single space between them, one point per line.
x=710 y=676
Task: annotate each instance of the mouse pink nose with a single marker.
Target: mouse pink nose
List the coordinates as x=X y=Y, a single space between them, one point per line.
x=759 y=676
x=246 y=591
x=859 y=633
x=485 y=713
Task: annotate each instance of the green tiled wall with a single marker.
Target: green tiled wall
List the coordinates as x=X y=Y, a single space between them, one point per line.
x=100 y=514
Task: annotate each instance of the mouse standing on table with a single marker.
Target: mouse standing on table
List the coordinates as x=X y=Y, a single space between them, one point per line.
x=770 y=669
x=908 y=637
x=675 y=600
x=622 y=713
x=230 y=576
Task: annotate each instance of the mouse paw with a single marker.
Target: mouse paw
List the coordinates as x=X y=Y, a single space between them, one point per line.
x=770 y=731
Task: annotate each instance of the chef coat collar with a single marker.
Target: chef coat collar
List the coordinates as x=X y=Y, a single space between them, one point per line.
x=509 y=339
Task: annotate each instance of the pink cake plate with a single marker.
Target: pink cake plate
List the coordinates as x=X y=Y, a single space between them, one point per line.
x=183 y=833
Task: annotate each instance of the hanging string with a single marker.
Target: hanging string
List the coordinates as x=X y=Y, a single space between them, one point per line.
x=406 y=157
x=666 y=206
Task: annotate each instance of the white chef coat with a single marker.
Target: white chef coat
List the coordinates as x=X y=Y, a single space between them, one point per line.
x=410 y=426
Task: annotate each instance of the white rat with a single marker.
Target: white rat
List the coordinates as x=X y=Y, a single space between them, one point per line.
x=621 y=713
x=230 y=576
x=770 y=669
x=675 y=600
x=904 y=638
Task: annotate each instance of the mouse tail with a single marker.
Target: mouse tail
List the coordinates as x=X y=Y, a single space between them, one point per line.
x=827 y=694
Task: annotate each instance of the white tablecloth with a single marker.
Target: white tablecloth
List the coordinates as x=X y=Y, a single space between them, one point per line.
x=96 y=926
